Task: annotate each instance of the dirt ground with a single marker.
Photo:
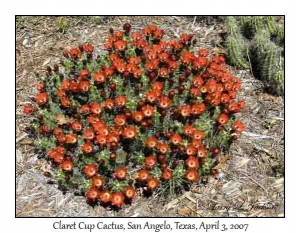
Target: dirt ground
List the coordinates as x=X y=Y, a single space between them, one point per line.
x=251 y=182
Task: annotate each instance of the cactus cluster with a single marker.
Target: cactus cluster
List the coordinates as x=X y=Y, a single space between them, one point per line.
x=256 y=42
x=150 y=113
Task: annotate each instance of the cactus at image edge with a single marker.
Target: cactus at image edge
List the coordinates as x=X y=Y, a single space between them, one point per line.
x=236 y=47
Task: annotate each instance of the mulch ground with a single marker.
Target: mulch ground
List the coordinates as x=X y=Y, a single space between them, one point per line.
x=252 y=179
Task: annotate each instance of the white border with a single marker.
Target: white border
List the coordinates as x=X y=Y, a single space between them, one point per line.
x=174 y=7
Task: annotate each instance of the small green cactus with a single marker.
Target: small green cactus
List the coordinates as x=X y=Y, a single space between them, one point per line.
x=279 y=34
x=233 y=27
x=272 y=68
x=235 y=44
x=259 y=40
x=251 y=25
x=236 y=53
x=271 y=24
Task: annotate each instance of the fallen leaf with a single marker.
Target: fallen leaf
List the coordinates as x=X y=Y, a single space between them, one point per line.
x=27 y=141
x=46 y=62
x=222 y=161
x=218 y=51
x=185 y=211
x=219 y=166
x=62 y=119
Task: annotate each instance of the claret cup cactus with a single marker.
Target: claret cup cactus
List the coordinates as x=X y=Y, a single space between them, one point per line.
x=150 y=113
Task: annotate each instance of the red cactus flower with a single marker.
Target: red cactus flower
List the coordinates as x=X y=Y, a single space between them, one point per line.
x=158 y=34
x=238 y=126
x=52 y=153
x=136 y=36
x=101 y=139
x=120 y=45
x=88 y=134
x=120 y=101
x=151 y=96
x=84 y=86
x=150 y=161
x=88 y=48
x=185 y=110
x=77 y=126
x=97 y=181
x=92 y=194
x=164 y=102
x=134 y=60
x=129 y=192
x=163 y=148
x=176 y=139
x=28 y=109
x=95 y=108
x=61 y=149
x=58 y=157
x=75 y=53
x=173 y=65
x=197 y=81
x=117 y=199
x=57 y=131
x=142 y=175
x=61 y=93
x=191 y=175
x=74 y=87
x=191 y=150
x=148 y=110
x=105 y=196
x=130 y=132
x=163 y=72
x=42 y=98
x=108 y=45
x=202 y=152
x=109 y=104
x=113 y=138
x=242 y=104
x=203 y=52
x=138 y=116
x=188 y=130
x=99 y=77
x=71 y=138
x=40 y=86
x=137 y=73
x=90 y=170
x=225 y=98
x=61 y=138
x=83 y=74
x=67 y=165
x=65 y=84
x=118 y=34
x=152 y=183
x=198 y=135
x=101 y=129
x=120 y=120
x=121 y=173
x=87 y=148
x=65 y=102
x=195 y=92
x=151 y=142
x=167 y=174
x=192 y=162
x=223 y=119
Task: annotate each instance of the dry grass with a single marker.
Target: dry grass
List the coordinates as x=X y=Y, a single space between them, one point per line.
x=253 y=176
